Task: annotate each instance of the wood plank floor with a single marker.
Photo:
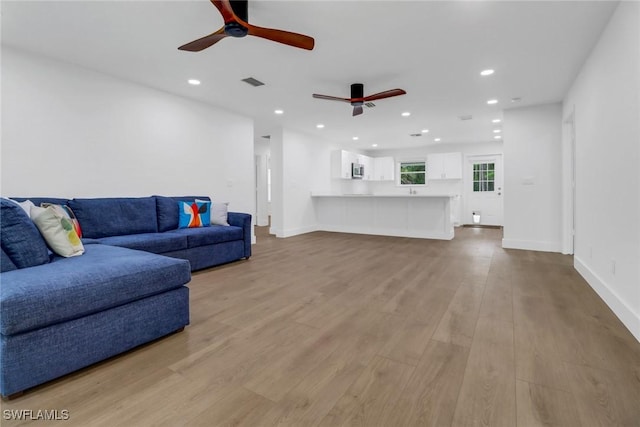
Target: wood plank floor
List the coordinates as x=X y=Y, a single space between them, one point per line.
x=335 y=329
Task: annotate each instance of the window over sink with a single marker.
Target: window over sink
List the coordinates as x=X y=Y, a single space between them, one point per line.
x=412 y=172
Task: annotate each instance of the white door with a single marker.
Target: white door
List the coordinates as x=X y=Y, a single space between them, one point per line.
x=483 y=190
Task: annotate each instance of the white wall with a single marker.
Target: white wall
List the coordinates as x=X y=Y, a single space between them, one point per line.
x=71 y=132
x=306 y=167
x=276 y=150
x=533 y=179
x=302 y=163
x=262 y=152
x=606 y=100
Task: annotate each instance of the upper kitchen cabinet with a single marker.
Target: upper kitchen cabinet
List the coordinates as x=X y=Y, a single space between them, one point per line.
x=372 y=168
x=342 y=162
x=383 y=168
x=444 y=166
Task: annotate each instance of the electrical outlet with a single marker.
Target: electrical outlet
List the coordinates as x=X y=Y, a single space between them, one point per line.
x=613 y=267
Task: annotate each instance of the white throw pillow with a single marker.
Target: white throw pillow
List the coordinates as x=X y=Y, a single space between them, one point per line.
x=58 y=231
x=219 y=212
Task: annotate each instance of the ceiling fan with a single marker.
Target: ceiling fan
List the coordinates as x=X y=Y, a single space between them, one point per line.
x=235 y=14
x=358 y=98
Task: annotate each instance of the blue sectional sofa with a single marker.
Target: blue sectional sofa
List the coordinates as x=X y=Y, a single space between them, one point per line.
x=60 y=314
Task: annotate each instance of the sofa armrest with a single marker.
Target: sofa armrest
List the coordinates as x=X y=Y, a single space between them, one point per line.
x=242 y=220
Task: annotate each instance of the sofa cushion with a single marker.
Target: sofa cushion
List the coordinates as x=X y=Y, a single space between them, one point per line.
x=38 y=201
x=149 y=242
x=167 y=210
x=20 y=239
x=209 y=235
x=68 y=288
x=106 y=217
x=5 y=263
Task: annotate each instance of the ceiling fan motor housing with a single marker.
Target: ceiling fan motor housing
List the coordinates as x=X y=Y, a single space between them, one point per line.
x=234 y=29
x=241 y=10
x=357 y=91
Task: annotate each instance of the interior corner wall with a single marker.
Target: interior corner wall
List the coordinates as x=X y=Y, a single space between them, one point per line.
x=277 y=187
x=71 y=132
x=532 y=178
x=306 y=167
x=606 y=99
x=261 y=150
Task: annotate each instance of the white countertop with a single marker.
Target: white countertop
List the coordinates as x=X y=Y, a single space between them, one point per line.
x=319 y=194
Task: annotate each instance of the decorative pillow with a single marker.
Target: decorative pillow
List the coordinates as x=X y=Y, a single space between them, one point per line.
x=57 y=231
x=66 y=212
x=219 y=213
x=21 y=241
x=194 y=214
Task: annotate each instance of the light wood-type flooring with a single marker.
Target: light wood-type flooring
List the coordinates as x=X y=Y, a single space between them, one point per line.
x=329 y=329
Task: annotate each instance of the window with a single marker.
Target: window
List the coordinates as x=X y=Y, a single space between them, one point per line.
x=412 y=173
x=483 y=176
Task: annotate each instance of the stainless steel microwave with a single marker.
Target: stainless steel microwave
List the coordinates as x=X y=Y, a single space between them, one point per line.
x=357 y=171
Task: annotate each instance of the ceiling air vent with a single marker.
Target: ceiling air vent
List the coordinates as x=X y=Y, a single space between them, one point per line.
x=266 y=136
x=466 y=117
x=253 y=82
x=370 y=104
x=415 y=134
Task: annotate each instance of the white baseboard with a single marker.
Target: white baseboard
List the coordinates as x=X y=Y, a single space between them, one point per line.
x=532 y=245
x=625 y=313
x=296 y=231
x=400 y=232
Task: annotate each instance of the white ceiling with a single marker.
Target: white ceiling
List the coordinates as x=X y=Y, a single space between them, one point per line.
x=433 y=50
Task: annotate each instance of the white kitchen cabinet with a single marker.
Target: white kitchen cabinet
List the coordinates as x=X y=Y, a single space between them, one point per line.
x=383 y=168
x=444 y=166
x=367 y=162
x=341 y=161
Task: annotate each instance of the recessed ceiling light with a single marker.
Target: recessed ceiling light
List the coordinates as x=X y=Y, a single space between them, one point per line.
x=492 y=101
x=425 y=130
x=193 y=82
x=319 y=125
x=279 y=112
x=497 y=131
x=406 y=114
x=497 y=137
x=437 y=140
x=486 y=72
x=355 y=138
x=374 y=145
x=496 y=121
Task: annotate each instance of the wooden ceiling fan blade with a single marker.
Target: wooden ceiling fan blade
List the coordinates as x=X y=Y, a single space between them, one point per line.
x=385 y=94
x=284 y=37
x=204 y=42
x=224 y=6
x=357 y=110
x=330 y=98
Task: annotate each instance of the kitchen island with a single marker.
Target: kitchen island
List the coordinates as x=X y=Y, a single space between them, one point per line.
x=425 y=216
